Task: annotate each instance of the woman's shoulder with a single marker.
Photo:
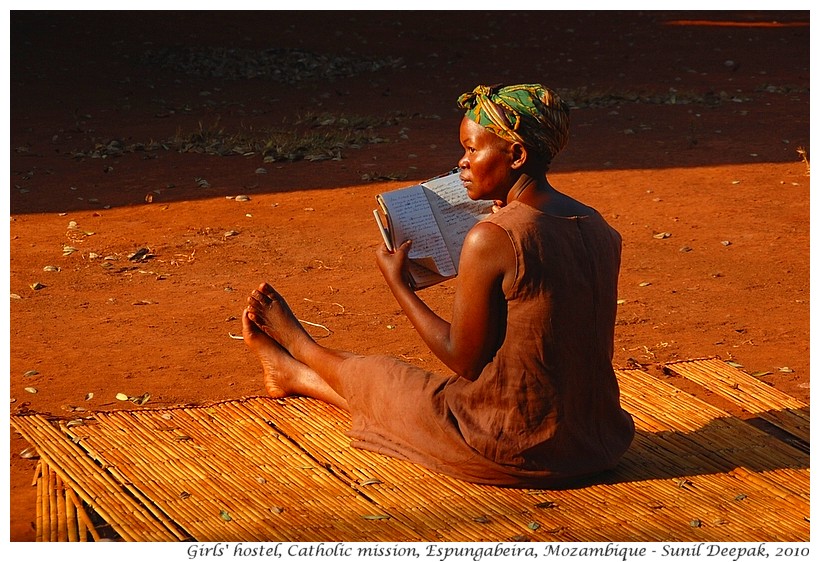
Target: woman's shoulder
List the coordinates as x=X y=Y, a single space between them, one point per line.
x=487 y=232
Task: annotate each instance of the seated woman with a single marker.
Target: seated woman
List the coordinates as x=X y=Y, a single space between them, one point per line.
x=532 y=400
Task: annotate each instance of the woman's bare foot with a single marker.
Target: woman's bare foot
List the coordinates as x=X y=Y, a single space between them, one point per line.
x=282 y=374
x=272 y=356
x=271 y=314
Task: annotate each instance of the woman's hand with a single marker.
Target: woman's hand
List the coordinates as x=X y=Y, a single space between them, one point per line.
x=393 y=265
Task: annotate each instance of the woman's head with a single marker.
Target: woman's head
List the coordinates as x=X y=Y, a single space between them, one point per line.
x=529 y=114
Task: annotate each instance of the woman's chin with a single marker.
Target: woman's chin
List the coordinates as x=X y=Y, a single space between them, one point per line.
x=475 y=196
x=472 y=193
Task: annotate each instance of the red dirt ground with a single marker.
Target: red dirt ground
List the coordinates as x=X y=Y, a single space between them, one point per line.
x=719 y=170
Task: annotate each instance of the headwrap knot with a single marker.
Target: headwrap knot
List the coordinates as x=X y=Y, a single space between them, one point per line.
x=530 y=114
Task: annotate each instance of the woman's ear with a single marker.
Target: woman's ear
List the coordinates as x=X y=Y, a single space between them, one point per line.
x=519 y=155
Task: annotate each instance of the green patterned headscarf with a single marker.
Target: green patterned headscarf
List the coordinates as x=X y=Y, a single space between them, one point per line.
x=527 y=113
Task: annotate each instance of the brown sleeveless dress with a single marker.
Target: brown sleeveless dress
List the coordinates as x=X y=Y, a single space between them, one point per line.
x=546 y=411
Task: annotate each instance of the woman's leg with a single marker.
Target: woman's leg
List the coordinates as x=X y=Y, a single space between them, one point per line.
x=283 y=375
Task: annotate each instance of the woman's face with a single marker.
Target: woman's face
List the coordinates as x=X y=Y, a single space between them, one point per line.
x=486 y=167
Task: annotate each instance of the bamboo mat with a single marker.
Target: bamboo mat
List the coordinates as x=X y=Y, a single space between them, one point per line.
x=748 y=393
x=260 y=469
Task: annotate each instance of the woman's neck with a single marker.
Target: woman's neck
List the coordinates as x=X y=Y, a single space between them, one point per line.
x=538 y=193
x=525 y=187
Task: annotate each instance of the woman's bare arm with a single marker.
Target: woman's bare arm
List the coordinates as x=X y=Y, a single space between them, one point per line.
x=469 y=341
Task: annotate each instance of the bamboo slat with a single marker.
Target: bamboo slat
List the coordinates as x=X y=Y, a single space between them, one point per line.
x=52 y=504
x=42 y=507
x=72 y=518
x=748 y=393
x=284 y=470
x=72 y=525
x=62 y=517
